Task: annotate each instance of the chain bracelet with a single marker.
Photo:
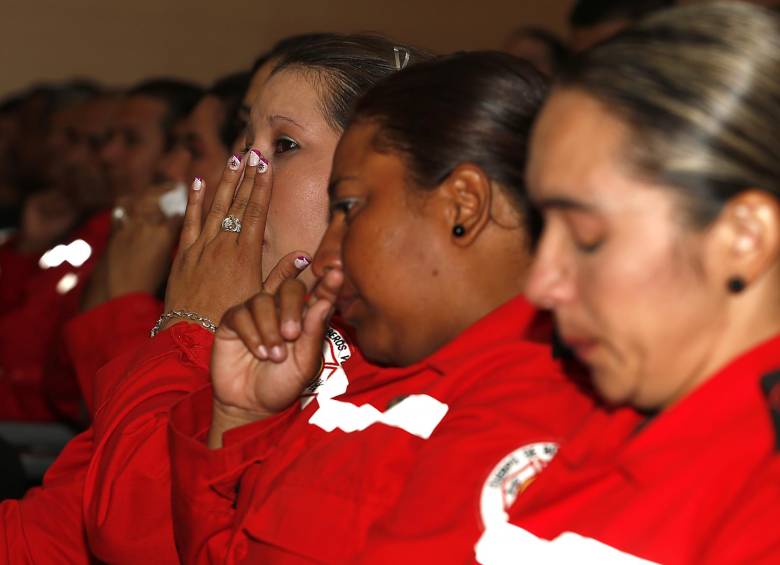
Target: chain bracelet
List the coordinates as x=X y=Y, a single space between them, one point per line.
x=184 y=315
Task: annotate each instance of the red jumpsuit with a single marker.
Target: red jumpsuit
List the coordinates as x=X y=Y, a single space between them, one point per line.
x=697 y=483
x=34 y=384
x=395 y=462
x=108 y=494
x=90 y=345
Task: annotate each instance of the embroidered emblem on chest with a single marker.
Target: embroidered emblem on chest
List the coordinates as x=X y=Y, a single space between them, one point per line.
x=513 y=474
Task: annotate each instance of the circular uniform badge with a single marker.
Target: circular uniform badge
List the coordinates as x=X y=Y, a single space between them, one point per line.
x=513 y=474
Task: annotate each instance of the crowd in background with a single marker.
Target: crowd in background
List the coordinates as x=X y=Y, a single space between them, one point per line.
x=115 y=208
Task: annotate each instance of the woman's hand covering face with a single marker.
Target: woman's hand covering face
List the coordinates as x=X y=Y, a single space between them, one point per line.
x=214 y=268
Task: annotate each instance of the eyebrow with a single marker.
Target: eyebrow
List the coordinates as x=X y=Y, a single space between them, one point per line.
x=564 y=203
x=337 y=181
x=279 y=117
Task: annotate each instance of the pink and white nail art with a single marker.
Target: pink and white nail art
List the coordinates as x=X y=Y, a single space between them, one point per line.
x=263 y=165
x=234 y=163
x=301 y=262
x=197 y=184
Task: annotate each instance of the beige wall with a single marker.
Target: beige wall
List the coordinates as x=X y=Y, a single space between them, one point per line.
x=121 y=41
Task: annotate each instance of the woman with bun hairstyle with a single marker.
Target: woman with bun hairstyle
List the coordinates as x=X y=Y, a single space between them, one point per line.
x=424 y=259
x=656 y=164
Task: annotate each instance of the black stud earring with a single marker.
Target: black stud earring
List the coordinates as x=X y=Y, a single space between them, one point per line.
x=736 y=284
x=458 y=230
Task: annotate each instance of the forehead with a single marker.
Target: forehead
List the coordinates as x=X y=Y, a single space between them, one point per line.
x=576 y=143
x=257 y=82
x=207 y=113
x=292 y=94
x=355 y=148
x=140 y=112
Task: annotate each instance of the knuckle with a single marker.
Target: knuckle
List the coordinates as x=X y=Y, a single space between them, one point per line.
x=254 y=211
x=218 y=209
x=240 y=202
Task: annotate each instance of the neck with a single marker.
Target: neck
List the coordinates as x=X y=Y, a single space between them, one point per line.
x=752 y=317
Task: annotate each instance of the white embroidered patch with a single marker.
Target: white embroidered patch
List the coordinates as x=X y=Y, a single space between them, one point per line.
x=503 y=543
x=510 y=477
x=506 y=544
x=417 y=414
x=332 y=380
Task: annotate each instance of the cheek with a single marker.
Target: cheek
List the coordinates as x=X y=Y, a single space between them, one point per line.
x=644 y=309
x=298 y=213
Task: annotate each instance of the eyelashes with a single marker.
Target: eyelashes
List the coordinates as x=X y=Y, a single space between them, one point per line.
x=285 y=144
x=343 y=206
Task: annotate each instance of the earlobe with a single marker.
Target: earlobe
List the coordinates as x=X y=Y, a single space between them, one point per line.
x=752 y=222
x=468 y=194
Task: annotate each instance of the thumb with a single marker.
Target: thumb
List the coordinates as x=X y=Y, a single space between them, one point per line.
x=288 y=267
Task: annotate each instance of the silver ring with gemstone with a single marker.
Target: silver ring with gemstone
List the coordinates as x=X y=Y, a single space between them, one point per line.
x=231 y=224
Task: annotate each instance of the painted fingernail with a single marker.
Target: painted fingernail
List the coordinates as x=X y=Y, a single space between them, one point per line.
x=254 y=157
x=197 y=184
x=277 y=353
x=263 y=166
x=262 y=352
x=302 y=262
x=234 y=163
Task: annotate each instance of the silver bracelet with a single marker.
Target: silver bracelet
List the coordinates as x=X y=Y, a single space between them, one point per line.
x=184 y=315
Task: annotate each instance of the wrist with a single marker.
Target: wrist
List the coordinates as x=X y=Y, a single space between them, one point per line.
x=225 y=417
x=172 y=317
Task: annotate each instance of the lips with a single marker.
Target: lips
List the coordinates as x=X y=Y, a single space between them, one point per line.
x=344 y=304
x=582 y=346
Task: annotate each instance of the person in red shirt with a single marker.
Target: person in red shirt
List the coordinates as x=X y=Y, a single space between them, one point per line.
x=124 y=292
x=118 y=470
x=36 y=382
x=656 y=165
x=424 y=257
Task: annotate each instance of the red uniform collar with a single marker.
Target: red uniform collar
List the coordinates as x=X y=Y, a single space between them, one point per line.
x=732 y=400
x=511 y=322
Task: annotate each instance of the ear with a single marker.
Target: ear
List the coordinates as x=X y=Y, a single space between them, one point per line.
x=466 y=194
x=748 y=231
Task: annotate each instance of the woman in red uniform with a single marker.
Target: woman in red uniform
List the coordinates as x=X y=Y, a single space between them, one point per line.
x=657 y=166
x=427 y=248
x=113 y=480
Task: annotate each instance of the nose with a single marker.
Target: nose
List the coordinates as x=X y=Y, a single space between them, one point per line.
x=549 y=283
x=328 y=255
x=174 y=165
x=111 y=151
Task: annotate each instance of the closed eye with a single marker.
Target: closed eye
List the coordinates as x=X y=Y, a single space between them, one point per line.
x=343 y=206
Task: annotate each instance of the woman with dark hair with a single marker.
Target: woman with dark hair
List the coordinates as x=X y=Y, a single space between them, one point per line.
x=427 y=211
x=120 y=465
x=656 y=164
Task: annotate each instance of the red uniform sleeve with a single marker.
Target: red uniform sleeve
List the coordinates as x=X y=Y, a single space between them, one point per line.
x=206 y=481
x=90 y=345
x=439 y=515
x=127 y=497
x=47 y=526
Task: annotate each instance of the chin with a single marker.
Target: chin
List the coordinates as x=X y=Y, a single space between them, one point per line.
x=372 y=348
x=612 y=386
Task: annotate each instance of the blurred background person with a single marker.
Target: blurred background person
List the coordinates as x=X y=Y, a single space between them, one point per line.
x=542 y=48
x=49 y=295
x=594 y=21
